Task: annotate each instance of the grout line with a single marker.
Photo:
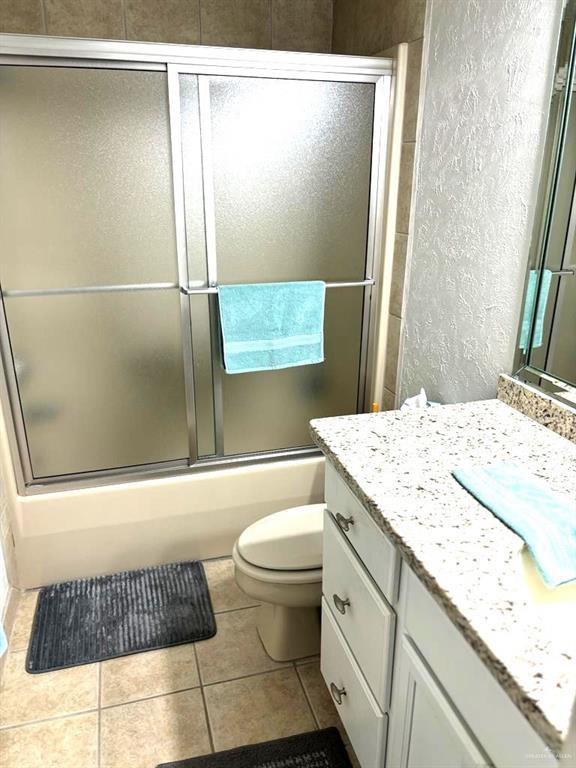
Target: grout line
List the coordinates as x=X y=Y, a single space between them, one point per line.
x=208 y=724
x=99 y=742
x=12 y=651
x=46 y=719
x=271 y=24
x=149 y=698
x=309 y=702
x=44 y=18
x=124 y=22
x=245 y=677
x=200 y=43
x=231 y=610
x=288 y=665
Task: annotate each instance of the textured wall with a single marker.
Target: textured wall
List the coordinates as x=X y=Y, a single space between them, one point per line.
x=368 y=27
x=489 y=73
x=300 y=25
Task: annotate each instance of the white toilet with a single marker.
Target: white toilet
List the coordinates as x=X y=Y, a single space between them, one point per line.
x=278 y=561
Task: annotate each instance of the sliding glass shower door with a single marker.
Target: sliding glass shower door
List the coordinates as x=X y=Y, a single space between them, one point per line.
x=88 y=267
x=127 y=197
x=286 y=172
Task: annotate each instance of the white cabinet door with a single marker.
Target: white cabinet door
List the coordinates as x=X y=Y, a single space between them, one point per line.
x=426 y=730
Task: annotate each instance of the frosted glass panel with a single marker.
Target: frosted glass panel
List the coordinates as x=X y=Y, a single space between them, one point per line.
x=202 y=354
x=270 y=410
x=85 y=178
x=291 y=166
x=100 y=379
x=193 y=185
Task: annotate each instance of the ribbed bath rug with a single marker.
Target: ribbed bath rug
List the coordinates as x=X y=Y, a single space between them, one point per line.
x=317 y=749
x=88 y=620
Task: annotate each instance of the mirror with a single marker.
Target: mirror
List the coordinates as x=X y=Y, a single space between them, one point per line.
x=547 y=334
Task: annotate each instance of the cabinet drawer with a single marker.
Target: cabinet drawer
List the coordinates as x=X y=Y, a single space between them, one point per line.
x=376 y=552
x=363 y=616
x=365 y=723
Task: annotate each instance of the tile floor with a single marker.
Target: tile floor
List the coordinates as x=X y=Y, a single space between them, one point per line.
x=149 y=708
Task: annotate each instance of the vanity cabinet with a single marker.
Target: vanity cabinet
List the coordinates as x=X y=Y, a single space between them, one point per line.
x=409 y=688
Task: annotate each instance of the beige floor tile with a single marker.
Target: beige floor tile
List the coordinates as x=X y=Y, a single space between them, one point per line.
x=225 y=593
x=142 y=675
x=23 y=621
x=235 y=650
x=307 y=660
x=69 y=742
x=145 y=733
x=319 y=697
x=24 y=697
x=258 y=708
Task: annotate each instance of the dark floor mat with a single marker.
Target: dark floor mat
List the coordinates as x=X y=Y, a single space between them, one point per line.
x=87 y=620
x=318 y=749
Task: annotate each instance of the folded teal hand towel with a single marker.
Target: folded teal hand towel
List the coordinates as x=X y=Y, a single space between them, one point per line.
x=267 y=326
x=529 y=308
x=546 y=522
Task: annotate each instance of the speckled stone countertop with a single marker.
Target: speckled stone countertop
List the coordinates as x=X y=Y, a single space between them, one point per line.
x=399 y=464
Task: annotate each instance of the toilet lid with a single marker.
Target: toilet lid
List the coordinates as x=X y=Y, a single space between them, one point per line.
x=290 y=540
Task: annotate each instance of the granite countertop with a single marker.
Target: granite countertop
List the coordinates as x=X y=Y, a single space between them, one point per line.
x=399 y=465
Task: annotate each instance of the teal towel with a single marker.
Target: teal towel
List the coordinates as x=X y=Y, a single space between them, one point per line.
x=529 y=309
x=272 y=325
x=524 y=503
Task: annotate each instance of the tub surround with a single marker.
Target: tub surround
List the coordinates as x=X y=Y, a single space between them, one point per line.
x=399 y=464
x=541 y=407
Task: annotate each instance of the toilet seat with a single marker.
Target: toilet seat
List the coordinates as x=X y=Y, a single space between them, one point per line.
x=279 y=577
x=285 y=542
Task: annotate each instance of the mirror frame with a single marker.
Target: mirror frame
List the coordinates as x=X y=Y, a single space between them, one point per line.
x=564 y=391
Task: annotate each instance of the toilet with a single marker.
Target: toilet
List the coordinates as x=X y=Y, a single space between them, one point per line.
x=278 y=561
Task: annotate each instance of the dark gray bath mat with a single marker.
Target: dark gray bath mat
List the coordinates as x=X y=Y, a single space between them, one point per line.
x=79 y=622
x=318 y=749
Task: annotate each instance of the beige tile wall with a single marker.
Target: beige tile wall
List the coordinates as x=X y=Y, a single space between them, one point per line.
x=369 y=27
x=365 y=27
x=304 y=25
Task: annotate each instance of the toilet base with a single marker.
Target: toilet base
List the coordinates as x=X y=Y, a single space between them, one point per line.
x=289 y=633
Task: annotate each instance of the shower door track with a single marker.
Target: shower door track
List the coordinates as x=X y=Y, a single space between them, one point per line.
x=175 y=60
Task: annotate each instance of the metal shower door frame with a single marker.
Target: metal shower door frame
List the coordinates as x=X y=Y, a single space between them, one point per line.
x=176 y=60
x=380 y=122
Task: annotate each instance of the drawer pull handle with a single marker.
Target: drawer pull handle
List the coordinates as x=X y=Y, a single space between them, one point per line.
x=337 y=693
x=344 y=523
x=340 y=604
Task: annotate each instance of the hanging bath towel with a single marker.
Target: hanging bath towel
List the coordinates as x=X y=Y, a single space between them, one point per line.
x=267 y=326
